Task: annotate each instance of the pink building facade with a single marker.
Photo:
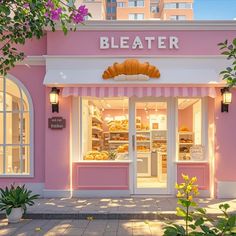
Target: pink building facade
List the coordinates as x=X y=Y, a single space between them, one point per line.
x=167 y=126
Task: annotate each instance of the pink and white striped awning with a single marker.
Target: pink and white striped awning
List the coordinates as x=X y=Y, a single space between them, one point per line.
x=139 y=91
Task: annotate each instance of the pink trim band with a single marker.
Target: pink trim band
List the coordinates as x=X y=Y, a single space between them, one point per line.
x=139 y=91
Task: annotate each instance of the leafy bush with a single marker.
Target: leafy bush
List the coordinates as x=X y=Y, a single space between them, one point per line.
x=197 y=223
x=15 y=197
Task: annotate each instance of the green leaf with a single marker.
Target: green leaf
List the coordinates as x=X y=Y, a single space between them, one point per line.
x=199 y=222
x=234 y=42
x=180 y=212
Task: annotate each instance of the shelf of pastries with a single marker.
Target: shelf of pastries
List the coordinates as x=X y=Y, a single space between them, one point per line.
x=118 y=125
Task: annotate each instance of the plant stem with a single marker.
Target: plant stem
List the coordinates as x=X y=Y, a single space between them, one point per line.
x=186 y=220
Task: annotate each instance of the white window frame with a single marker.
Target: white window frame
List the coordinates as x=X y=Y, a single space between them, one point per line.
x=136 y=6
x=31 y=119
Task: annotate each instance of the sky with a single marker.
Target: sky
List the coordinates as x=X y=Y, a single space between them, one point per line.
x=214 y=9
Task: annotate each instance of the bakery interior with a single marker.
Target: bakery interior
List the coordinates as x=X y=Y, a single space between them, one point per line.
x=106 y=137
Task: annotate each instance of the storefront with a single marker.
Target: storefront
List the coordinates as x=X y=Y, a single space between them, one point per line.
x=139 y=104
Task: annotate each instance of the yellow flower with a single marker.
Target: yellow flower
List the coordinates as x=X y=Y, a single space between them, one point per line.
x=179 y=194
x=190 y=198
x=189 y=188
x=176 y=185
x=185 y=177
x=194 y=179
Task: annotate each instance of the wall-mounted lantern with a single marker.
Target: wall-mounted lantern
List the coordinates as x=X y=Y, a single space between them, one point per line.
x=226 y=99
x=54 y=99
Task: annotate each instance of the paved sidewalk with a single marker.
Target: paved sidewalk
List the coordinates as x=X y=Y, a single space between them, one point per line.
x=82 y=228
x=117 y=208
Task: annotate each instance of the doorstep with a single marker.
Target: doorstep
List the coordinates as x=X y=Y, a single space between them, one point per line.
x=148 y=207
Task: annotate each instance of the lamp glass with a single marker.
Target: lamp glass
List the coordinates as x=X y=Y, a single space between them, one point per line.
x=54 y=97
x=227 y=97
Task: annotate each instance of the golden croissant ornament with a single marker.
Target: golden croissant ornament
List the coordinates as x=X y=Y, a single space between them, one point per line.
x=131 y=67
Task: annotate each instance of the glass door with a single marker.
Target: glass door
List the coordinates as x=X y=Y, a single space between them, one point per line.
x=150 y=143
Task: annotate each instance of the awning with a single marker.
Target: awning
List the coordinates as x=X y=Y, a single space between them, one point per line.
x=139 y=91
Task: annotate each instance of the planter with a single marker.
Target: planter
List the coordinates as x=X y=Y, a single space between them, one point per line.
x=15 y=215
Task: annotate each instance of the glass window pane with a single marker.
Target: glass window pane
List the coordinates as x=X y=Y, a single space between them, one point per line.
x=105 y=135
x=1 y=128
x=25 y=159
x=12 y=128
x=189 y=126
x=1 y=94
x=26 y=128
x=1 y=159
x=12 y=160
x=25 y=101
x=13 y=97
x=151 y=144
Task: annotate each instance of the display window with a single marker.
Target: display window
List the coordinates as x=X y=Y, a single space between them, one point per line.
x=189 y=136
x=15 y=130
x=106 y=136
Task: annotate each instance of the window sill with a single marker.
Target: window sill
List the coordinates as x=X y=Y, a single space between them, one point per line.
x=107 y=161
x=15 y=176
x=190 y=162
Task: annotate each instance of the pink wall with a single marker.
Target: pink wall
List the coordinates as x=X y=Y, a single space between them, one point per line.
x=57 y=147
x=185 y=117
x=101 y=176
x=32 y=77
x=200 y=170
x=225 y=142
x=192 y=42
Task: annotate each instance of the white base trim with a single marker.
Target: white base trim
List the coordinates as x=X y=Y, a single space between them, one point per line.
x=204 y=193
x=226 y=189
x=49 y=193
x=101 y=193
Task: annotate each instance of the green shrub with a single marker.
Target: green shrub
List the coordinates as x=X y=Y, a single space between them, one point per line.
x=197 y=223
x=15 y=197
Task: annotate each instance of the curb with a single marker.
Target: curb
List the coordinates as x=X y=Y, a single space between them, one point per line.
x=104 y=216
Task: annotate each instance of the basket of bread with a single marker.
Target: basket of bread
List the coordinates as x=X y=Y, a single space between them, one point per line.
x=96 y=155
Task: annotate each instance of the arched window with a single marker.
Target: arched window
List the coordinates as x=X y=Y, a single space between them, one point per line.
x=16 y=119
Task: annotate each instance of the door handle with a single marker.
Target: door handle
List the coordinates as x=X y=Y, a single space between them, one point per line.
x=133 y=142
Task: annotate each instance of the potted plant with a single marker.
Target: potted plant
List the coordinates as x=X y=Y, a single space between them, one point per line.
x=14 y=200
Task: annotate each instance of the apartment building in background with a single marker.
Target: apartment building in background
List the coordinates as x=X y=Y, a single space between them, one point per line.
x=140 y=9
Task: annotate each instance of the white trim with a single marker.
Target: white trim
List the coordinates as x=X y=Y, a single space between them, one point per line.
x=48 y=193
x=99 y=193
x=226 y=189
x=32 y=61
x=148 y=25
x=131 y=56
x=101 y=161
x=31 y=144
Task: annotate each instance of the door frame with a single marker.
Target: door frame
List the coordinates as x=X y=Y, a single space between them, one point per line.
x=171 y=146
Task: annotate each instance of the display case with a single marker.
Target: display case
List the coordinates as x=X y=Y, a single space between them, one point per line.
x=185 y=142
x=159 y=140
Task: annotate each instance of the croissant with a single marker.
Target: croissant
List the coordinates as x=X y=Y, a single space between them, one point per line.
x=131 y=67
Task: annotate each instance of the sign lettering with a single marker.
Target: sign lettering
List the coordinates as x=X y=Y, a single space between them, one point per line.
x=125 y=42
x=56 y=123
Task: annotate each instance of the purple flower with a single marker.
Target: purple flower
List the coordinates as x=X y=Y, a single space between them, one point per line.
x=55 y=14
x=83 y=10
x=26 y=5
x=79 y=15
x=49 y=4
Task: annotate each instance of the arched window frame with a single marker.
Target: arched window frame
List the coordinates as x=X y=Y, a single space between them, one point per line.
x=31 y=119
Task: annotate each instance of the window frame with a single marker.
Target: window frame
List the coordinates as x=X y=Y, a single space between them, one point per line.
x=21 y=87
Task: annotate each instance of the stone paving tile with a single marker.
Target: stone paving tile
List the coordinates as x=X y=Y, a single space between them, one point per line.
x=83 y=228
x=74 y=231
